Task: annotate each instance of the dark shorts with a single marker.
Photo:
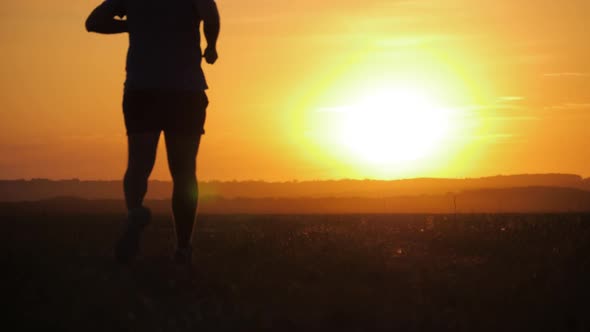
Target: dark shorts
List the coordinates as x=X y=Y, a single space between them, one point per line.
x=179 y=112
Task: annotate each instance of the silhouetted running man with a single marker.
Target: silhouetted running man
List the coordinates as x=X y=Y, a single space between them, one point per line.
x=164 y=91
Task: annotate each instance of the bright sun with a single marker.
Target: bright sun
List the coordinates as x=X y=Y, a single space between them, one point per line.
x=391 y=126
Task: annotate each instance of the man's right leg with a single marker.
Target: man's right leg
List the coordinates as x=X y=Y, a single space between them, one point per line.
x=142 y=149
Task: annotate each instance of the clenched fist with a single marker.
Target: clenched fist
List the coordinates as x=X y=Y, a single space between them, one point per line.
x=210 y=55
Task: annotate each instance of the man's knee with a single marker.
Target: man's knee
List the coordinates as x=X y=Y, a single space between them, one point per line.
x=138 y=171
x=184 y=179
x=184 y=171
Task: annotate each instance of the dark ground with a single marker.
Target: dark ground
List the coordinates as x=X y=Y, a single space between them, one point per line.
x=301 y=273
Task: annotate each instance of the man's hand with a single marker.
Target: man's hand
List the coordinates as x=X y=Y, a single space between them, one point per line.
x=210 y=55
x=102 y=19
x=207 y=10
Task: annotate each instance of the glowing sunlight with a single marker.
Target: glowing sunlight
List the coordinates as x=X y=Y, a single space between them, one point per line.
x=390 y=128
x=393 y=126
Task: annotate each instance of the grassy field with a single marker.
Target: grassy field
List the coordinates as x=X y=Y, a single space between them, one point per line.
x=302 y=273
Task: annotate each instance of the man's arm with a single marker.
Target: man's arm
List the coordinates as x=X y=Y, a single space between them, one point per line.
x=102 y=19
x=211 y=26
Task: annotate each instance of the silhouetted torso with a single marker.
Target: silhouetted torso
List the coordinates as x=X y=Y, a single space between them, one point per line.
x=164 y=45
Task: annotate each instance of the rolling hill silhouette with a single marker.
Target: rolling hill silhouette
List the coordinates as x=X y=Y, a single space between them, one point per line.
x=508 y=194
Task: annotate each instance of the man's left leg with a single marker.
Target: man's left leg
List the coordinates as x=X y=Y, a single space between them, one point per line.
x=182 y=152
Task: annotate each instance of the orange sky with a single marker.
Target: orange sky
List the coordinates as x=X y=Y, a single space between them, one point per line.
x=515 y=73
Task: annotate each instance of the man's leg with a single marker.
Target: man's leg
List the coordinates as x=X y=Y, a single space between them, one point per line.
x=142 y=154
x=182 y=152
x=142 y=149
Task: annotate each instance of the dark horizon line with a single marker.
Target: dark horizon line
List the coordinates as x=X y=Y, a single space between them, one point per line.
x=307 y=181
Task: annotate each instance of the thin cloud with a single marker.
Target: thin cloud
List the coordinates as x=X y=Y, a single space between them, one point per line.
x=567 y=74
x=403 y=41
x=499 y=112
x=512 y=98
x=570 y=106
x=492 y=107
